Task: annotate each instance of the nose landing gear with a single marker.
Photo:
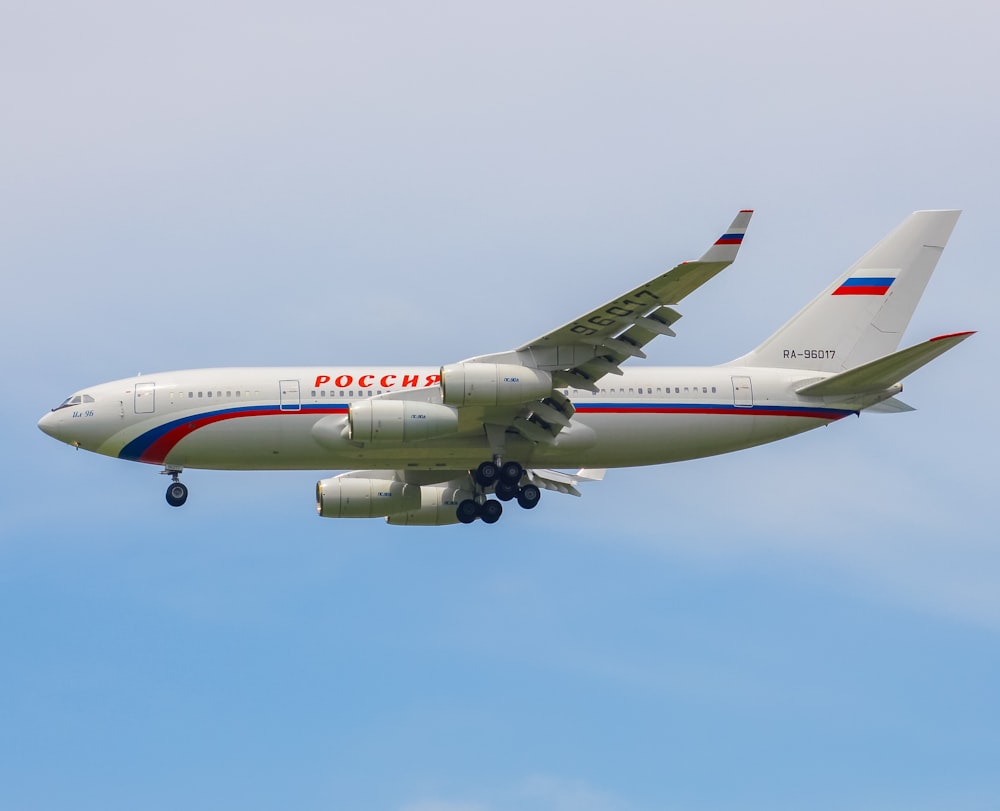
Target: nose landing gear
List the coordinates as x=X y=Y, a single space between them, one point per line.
x=177 y=492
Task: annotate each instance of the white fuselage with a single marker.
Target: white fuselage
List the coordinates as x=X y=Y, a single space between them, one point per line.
x=295 y=418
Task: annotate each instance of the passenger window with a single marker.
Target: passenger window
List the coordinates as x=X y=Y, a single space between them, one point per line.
x=210 y=394
x=200 y=394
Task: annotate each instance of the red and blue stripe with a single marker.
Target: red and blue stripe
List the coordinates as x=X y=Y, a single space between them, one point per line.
x=730 y=239
x=865 y=286
x=154 y=445
x=724 y=409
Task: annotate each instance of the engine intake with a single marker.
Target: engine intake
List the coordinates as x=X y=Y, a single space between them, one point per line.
x=352 y=497
x=493 y=384
x=399 y=420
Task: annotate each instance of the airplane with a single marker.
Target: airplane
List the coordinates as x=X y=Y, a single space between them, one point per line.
x=453 y=443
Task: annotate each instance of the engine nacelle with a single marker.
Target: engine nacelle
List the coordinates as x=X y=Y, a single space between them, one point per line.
x=492 y=384
x=399 y=420
x=352 y=497
x=438 y=505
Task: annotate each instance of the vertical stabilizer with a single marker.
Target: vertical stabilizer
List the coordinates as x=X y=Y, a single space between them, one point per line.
x=863 y=314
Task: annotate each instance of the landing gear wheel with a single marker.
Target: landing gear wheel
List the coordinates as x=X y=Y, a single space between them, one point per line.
x=486 y=474
x=467 y=511
x=528 y=497
x=491 y=511
x=177 y=494
x=506 y=492
x=511 y=473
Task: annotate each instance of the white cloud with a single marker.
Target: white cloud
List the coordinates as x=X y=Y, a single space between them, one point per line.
x=534 y=793
x=443 y=805
x=561 y=794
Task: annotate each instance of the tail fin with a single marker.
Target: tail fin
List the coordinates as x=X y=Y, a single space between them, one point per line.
x=862 y=315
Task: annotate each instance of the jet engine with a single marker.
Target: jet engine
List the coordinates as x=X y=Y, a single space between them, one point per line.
x=438 y=506
x=353 y=497
x=492 y=384
x=399 y=420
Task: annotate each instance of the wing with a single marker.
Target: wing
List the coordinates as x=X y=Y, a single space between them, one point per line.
x=519 y=390
x=578 y=354
x=596 y=343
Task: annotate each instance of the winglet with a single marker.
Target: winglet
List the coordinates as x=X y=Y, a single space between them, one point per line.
x=727 y=246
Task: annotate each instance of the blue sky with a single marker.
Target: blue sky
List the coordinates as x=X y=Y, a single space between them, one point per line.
x=814 y=623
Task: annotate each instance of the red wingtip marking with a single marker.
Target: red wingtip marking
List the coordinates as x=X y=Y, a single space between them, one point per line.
x=954 y=335
x=746 y=211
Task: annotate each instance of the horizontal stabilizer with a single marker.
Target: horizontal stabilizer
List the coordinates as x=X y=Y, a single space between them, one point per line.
x=891 y=406
x=879 y=375
x=565 y=482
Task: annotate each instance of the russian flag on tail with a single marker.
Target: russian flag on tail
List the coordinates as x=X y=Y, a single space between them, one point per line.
x=865 y=286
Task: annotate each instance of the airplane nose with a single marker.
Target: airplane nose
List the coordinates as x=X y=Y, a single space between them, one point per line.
x=49 y=424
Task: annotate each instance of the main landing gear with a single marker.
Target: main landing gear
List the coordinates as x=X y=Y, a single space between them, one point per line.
x=505 y=479
x=177 y=493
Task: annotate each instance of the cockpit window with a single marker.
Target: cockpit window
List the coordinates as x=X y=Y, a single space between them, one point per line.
x=76 y=399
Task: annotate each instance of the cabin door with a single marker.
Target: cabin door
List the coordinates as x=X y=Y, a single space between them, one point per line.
x=290 y=395
x=742 y=392
x=145 y=398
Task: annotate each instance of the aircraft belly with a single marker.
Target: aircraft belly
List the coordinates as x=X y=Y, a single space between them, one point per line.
x=649 y=439
x=266 y=442
x=290 y=442
x=287 y=442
